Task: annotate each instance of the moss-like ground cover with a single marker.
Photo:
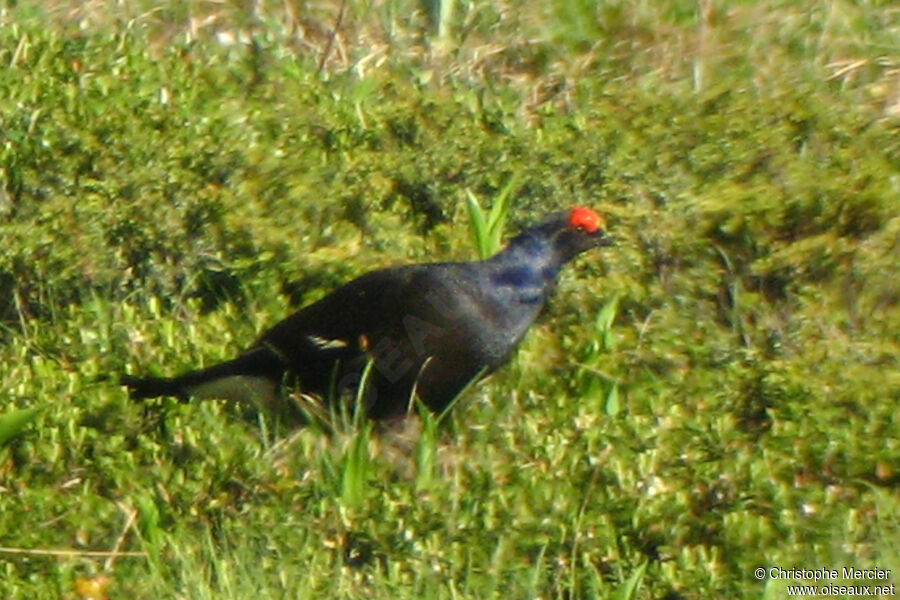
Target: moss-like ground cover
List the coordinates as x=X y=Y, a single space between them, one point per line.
x=717 y=393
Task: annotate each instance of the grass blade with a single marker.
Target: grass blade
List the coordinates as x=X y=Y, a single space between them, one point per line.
x=629 y=590
x=478 y=225
x=604 y=323
x=500 y=211
x=13 y=422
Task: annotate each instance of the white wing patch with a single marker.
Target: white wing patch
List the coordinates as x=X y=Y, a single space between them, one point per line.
x=325 y=343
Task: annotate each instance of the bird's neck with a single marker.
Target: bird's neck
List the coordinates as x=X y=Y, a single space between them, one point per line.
x=528 y=262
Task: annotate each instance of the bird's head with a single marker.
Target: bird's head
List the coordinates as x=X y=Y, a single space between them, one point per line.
x=572 y=232
x=559 y=237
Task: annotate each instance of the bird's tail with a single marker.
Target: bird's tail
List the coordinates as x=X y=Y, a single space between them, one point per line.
x=246 y=378
x=152 y=387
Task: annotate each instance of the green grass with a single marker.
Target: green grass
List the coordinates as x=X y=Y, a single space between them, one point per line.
x=715 y=393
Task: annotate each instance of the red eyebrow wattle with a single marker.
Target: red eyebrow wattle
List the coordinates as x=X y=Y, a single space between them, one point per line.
x=586 y=219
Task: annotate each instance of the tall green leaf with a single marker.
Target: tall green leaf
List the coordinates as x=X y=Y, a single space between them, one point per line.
x=487 y=229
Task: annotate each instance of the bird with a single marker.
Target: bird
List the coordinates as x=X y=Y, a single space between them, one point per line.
x=400 y=334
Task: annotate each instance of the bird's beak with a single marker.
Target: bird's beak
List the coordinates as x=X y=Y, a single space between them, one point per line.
x=603 y=239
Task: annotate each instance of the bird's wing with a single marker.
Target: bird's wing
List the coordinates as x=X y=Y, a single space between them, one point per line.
x=336 y=325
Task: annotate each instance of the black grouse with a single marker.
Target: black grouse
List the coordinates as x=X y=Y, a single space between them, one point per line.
x=427 y=329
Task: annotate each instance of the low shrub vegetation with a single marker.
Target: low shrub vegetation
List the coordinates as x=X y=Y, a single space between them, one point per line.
x=716 y=393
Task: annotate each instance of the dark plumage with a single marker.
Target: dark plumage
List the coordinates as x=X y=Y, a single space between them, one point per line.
x=429 y=329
